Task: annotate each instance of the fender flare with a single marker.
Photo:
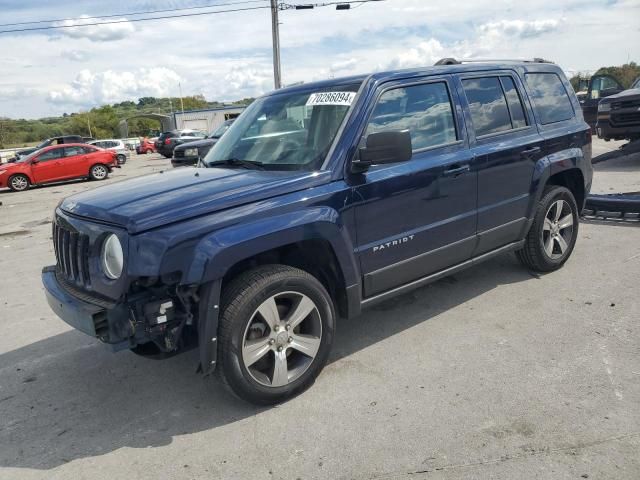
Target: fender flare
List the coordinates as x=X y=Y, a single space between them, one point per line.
x=550 y=165
x=215 y=254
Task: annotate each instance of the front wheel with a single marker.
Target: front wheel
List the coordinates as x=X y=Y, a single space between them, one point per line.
x=553 y=232
x=98 y=172
x=19 y=183
x=275 y=334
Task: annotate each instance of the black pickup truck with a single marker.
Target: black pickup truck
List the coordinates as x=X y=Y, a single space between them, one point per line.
x=189 y=153
x=618 y=115
x=53 y=141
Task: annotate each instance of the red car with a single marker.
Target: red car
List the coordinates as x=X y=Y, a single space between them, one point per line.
x=146 y=146
x=56 y=163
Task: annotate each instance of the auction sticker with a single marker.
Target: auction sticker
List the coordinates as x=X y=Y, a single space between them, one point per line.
x=331 y=98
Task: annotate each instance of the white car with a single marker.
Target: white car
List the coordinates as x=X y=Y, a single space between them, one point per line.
x=117 y=146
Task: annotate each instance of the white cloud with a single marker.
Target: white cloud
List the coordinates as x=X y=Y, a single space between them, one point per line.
x=246 y=79
x=75 y=55
x=520 y=28
x=89 y=89
x=96 y=33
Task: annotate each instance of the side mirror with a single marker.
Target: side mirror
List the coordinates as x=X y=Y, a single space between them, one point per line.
x=382 y=148
x=34 y=161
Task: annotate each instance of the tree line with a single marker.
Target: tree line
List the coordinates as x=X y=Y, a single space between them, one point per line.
x=99 y=122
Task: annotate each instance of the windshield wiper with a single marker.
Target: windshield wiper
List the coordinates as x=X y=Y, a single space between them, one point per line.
x=236 y=162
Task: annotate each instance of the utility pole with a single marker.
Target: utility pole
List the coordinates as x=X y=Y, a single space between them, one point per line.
x=181 y=103
x=275 y=30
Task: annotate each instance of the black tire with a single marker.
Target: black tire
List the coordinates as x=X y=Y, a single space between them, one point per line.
x=239 y=304
x=534 y=255
x=122 y=159
x=19 y=183
x=98 y=172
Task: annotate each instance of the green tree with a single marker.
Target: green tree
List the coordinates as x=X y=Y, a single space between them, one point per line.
x=625 y=74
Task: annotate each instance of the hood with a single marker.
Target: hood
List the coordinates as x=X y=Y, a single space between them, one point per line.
x=624 y=95
x=205 y=142
x=155 y=200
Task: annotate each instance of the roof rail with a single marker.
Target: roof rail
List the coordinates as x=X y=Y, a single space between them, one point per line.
x=453 y=61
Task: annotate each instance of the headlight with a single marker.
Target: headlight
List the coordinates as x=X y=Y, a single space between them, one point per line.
x=190 y=152
x=112 y=257
x=604 y=107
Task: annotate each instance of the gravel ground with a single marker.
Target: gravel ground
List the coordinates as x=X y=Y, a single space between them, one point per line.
x=492 y=373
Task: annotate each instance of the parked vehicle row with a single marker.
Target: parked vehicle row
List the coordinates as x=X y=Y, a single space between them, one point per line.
x=56 y=163
x=320 y=200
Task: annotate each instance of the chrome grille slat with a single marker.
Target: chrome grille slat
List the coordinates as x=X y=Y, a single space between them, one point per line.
x=72 y=250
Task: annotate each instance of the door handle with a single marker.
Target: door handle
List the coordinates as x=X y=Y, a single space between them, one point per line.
x=455 y=170
x=530 y=151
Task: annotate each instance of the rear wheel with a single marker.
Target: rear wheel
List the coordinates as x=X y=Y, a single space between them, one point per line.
x=19 y=183
x=98 y=172
x=553 y=233
x=275 y=334
x=122 y=159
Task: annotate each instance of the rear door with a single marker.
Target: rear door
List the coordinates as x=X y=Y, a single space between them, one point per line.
x=418 y=217
x=49 y=166
x=75 y=159
x=506 y=145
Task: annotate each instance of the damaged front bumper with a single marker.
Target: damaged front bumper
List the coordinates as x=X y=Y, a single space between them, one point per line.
x=142 y=319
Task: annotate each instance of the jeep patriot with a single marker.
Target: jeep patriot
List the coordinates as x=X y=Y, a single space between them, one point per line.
x=320 y=200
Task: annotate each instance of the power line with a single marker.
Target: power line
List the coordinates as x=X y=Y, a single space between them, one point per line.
x=281 y=6
x=125 y=20
x=131 y=13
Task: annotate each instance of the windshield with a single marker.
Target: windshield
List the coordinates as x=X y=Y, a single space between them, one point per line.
x=636 y=84
x=287 y=131
x=218 y=132
x=27 y=158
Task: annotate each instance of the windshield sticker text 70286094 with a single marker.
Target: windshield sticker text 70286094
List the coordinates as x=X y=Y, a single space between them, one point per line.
x=331 y=98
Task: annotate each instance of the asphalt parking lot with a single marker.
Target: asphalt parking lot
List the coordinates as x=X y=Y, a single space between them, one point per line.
x=492 y=373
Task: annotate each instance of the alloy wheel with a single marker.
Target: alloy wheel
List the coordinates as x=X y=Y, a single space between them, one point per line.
x=99 y=172
x=19 y=182
x=557 y=230
x=282 y=339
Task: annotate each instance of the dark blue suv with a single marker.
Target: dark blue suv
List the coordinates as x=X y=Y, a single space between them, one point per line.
x=320 y=200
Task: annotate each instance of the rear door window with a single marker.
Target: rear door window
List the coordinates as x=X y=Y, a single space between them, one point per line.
x=550 y=98
x=424 y=110
x=73 y=151
x=487 y=105
x=514 y=102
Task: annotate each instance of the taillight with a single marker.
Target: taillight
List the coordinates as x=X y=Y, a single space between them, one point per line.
x=167 y=141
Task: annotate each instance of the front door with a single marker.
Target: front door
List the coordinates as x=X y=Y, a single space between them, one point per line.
x=417 y=217
x=48 y=166
x=600 y=86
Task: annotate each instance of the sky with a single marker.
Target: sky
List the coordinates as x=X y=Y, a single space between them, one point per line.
x=228 y=56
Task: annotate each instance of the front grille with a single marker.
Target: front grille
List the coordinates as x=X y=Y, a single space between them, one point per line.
x=178 y=153
x=625 y=118
x=625 y=104
x=72 y=255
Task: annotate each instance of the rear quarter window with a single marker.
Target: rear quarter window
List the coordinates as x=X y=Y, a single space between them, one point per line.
x=550 y=99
